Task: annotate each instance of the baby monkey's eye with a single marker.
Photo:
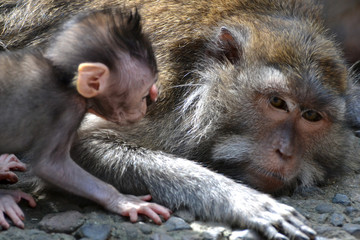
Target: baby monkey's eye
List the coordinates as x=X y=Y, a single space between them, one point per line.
x=311 y=115
x=148 y=100
x=279 y=103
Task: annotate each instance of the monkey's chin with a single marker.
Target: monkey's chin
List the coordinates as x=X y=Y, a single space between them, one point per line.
x=269 y=183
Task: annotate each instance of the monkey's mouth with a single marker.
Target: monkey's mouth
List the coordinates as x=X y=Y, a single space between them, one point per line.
x=267 y=181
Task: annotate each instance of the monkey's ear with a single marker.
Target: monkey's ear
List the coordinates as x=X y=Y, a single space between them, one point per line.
x=227 y=46
x=92 y=77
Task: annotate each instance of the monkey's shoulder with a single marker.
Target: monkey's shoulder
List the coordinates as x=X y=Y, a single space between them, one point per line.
x=31 y=69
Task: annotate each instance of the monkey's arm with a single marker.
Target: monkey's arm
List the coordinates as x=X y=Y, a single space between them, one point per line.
x=179 y=183
x=62 y=171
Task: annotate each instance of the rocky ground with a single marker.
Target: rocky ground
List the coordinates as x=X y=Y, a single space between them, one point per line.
x=332 y=210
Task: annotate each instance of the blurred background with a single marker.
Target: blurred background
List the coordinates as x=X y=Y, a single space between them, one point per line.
x=343 y=18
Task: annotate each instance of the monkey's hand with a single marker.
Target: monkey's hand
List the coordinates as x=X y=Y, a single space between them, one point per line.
x=271 y=218
x=131 y=206
x=8 y=163
x=8 y=205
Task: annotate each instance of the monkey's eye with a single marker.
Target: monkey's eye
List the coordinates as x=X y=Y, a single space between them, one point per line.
x=148 y=100
x=278 y=103
x=311 y=116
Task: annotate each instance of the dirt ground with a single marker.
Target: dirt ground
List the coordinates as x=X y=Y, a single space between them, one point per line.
x=332 y=210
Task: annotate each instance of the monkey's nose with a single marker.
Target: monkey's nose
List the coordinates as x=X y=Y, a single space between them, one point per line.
x=284 y=154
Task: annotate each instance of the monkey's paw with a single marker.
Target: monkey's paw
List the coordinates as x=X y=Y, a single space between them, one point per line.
x=131 y=206
x=9 y=206
x=9 y=163
x=275 y=220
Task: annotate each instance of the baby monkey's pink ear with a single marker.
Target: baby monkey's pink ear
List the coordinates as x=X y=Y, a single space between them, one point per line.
x=92 y=78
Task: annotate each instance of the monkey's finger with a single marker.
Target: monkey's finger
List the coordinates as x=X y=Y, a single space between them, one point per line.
x=12 y=158
x=3 y=222
x=28 y=198
x=297 y=218
x=9 y=176
x=17 y=166
x=151 y=214
x=133 y=215
x=146 y=197
x=293 y=232
x=3 y=157
x=161 y=210
x=268 y=229
x=300 y=224
x=18 y=212
x=16 y=215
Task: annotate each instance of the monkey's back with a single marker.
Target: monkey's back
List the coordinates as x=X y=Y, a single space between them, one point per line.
x=32 y=101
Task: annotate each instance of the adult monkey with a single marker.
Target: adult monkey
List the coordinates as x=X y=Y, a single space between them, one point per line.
x=254 y=90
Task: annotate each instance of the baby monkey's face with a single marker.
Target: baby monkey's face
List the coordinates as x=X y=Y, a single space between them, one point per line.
x=123 y=94
x=128 y=98
x=134 y=105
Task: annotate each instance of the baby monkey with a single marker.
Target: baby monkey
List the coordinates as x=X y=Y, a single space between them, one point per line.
x=98 y=62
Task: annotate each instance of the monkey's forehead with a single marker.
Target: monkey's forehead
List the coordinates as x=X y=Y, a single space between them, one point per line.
x=305 y=52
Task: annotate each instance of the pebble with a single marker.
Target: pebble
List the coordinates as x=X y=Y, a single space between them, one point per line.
x=160 y=236
x=131 y=231
x=356 y=220
x=186 y=215
x=322 y=218
x=65 y=222
x=324 y=208
x=145 y=228
x=353 y=229
x=341 y=199
x=94 y=231
x=337 y=219
x=175 y=223
x=351 y=211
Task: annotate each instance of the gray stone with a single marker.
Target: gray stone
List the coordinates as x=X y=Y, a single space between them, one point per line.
x=351 y=211
x=341 y=199
x=175 y=223
x=132 y=232
x=145 y=228
x=65 y=222
x=191 y=237
x=337 y=219
x=353 y=229
x=324 y=208
x=160 y=236
x=322 y=218
x=94 y=231
x=356 y=220
x=185 y=215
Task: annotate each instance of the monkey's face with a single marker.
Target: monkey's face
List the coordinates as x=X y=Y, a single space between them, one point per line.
x=286 y=130
x=271 y=107
x=126 y=99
